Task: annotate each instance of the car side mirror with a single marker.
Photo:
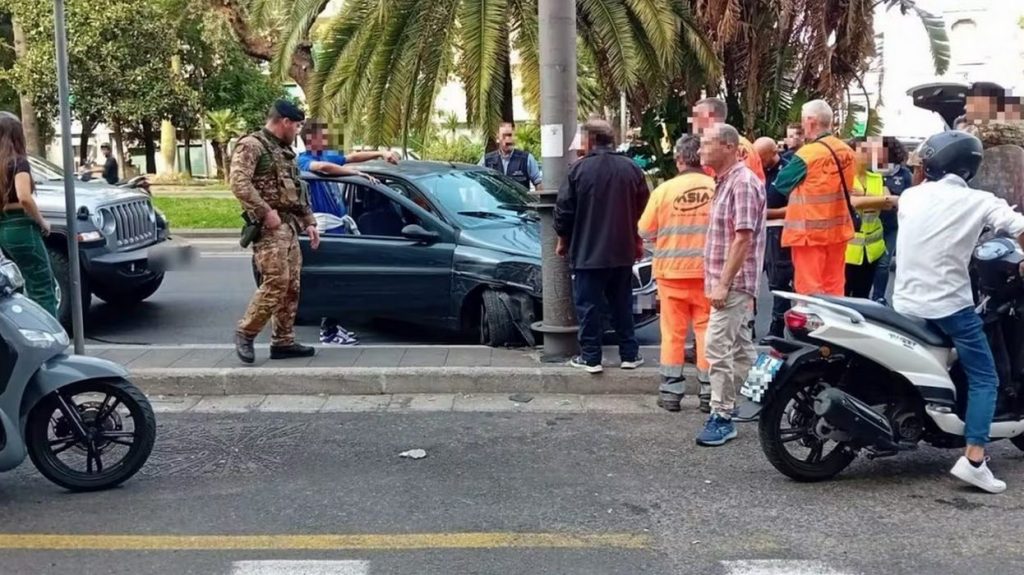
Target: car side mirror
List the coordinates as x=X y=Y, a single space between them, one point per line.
x=416 y=232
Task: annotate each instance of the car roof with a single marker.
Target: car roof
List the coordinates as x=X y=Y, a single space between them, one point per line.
x=415 y=169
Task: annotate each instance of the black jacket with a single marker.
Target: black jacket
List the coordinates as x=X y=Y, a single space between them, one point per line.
x=598 y=208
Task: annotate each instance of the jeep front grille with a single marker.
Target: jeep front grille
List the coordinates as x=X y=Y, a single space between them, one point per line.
x=134 y=221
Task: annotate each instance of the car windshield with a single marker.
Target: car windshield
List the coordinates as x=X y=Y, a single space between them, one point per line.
x=478 y=197
x=43 y=171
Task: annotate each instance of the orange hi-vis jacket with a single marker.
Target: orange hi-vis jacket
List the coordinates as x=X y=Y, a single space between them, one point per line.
x=818 y=213
x=676 y=218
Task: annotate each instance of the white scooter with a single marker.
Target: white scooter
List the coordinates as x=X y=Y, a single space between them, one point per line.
x=855 y=376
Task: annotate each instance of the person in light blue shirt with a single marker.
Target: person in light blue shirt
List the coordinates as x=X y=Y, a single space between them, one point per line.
x=319 y=158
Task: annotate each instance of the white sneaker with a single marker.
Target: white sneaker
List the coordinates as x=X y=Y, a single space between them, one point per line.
x=980 y=477
x=632 y=364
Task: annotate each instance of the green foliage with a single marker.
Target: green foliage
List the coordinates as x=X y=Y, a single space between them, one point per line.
x=8 y=95
x=460 y=149
x=528 y=138
x=199 y=213
x=225 y=125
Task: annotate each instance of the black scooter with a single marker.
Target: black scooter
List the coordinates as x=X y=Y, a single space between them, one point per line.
x=79 y=419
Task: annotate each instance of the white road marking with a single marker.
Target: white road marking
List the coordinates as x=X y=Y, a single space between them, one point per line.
x=225 y=255
x=300 y=568
x=780 y=567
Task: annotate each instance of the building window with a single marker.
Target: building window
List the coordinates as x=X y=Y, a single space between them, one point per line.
x=965 y=45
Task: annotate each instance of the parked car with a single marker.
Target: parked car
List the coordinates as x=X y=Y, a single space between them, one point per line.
x=454 y=247
x=123 y=240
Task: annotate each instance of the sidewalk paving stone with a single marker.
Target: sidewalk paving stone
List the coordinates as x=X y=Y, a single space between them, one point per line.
x=336 y=357
x=470 y=357
x=122 y=356
x=207 y=358
x=157 y=358
x=381 y=357
x=436 y=357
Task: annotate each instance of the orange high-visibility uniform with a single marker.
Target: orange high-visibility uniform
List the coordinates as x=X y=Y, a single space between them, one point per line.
x=818 y=223
x=677 y=218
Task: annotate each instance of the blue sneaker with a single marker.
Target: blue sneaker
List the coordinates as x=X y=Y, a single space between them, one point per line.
x=718 y=431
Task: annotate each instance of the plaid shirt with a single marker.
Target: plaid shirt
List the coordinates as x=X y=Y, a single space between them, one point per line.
x=739 y=204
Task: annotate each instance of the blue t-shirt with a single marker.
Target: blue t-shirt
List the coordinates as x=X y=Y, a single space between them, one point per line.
x=898 y=181
x=320 y=197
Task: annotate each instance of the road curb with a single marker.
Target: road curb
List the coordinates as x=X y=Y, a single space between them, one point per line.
x=397 y=380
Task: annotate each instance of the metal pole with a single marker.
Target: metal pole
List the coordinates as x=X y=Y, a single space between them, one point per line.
x=558 y=125
x=623 y=122
x=63 y=91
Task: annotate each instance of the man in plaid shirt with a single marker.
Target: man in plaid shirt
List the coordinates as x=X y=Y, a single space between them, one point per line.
x=733 y=256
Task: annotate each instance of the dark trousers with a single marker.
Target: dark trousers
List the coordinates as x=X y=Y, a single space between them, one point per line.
x=592 y=288
x=778 y=266
x=881 y=284
x=859 y=279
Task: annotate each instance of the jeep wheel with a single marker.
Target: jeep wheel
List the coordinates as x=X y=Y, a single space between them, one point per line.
x=496 y=327
x=62 y=273
x=134 y=295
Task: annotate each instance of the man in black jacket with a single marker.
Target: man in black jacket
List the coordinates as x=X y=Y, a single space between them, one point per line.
x=596 y=221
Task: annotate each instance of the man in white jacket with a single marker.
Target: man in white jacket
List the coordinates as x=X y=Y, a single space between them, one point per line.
x=940 y=223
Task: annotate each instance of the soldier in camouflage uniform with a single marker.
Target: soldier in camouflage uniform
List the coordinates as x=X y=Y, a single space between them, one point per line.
x=264 y=178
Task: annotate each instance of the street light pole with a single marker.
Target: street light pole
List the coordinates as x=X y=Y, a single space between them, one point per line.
x=557 y=19
x=63 y=92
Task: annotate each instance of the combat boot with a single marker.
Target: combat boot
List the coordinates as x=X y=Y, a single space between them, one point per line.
x=291 y=351
x=244 y=349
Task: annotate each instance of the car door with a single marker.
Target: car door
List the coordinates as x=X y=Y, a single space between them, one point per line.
x=381 y=272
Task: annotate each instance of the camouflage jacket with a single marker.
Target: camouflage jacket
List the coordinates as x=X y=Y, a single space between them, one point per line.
x=264 y=177
x=998 y=133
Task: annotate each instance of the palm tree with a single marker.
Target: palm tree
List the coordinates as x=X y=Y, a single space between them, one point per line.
x=224 y=125
x=780 y=53
x=383 y=61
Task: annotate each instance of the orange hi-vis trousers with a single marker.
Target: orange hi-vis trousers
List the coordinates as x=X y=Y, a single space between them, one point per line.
x=819 y=270
x=683 y=303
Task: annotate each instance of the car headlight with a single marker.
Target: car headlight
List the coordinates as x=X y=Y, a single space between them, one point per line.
x=86 y=237
x=38 y=338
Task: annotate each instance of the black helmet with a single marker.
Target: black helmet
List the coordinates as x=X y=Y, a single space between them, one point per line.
x=951 y=152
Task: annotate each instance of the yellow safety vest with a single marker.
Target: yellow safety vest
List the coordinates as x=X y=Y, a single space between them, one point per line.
x=870 y=239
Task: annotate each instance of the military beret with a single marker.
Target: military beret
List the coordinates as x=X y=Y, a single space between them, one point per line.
x=287 y=109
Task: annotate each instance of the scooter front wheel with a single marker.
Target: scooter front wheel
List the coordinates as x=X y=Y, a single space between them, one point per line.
x=789 y=421
x=91 y=435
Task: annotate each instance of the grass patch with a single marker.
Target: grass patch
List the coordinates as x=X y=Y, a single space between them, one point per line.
x=200 y=213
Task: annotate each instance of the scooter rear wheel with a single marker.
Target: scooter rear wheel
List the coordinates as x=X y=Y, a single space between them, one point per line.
x=102 y=409
x=788 y=419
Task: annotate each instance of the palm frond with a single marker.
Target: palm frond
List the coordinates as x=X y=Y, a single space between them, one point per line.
x=295 y=30
x=938 y=40
x=609 y=21
x=481 y=24
x=696 y=41
x=659 y=27
x=333 y=60
x=526 y=41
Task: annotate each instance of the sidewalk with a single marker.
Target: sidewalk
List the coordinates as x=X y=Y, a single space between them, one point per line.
x=371 y=370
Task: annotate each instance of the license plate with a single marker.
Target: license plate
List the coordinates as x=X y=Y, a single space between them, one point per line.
x=643 y=302
x=760 y=377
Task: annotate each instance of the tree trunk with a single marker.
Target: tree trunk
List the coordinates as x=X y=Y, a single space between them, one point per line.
x=188 y=151
x=507 y=109
x=147 y=141
x=118 y=136
x=218 y=158
x=83 y=142
x=168 y=147
x=29 y=122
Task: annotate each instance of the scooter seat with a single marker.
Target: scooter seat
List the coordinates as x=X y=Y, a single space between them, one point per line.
x=920 y=329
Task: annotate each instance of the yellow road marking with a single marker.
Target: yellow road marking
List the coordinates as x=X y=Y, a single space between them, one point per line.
x=381 y=542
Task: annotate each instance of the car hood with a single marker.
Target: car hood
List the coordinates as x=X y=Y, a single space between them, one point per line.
x=50 y=197
x=520 y=239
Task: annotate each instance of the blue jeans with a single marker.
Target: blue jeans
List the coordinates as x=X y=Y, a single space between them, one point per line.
x=881 y=283
x=591 y=287
x=967 y=332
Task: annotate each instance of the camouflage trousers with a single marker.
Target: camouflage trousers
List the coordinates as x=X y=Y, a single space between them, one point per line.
x=279 y=262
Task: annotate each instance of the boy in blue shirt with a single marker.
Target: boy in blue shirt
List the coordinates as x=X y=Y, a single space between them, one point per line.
x=319 y=158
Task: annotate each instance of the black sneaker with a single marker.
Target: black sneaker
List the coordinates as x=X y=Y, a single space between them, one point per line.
x=244 y=349
x=291 y=351
x=578 y=363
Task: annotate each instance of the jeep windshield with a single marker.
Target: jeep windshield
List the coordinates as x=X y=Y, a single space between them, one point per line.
x=479 y=198
x=43 y=171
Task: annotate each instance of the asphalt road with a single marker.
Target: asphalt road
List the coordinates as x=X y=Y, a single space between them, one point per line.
x=202 y=304
x=530 y=493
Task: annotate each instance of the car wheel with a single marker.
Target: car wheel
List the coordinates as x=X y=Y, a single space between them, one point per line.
x=132 y=296
x=496 y=327
x=62 y=273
